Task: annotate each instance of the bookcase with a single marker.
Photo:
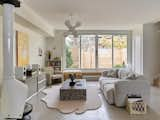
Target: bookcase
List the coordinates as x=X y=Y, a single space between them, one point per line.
x=57 y=66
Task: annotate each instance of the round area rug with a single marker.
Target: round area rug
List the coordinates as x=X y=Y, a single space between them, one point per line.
x=52 y=100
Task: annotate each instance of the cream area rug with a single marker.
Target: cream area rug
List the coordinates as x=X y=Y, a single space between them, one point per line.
x=52 y=100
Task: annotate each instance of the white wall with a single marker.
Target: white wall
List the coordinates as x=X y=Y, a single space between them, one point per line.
x=151 y=50
x=56 y=44
x=36 y=41
x=1 y=58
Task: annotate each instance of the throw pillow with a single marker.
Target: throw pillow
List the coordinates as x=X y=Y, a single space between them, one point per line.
x=123 y=73
x=131 y=76
x=105 y=73
x=135 y=76
x=113 y=73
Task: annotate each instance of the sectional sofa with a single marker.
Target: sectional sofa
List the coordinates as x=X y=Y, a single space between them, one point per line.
x=117 y=84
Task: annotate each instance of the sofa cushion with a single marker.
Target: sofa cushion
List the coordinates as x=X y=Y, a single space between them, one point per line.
x=109 y=93
x=113 y=73
x=110 y=73
x=134 y=76
x=131 y=76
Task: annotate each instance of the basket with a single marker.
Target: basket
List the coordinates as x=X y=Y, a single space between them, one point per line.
x=136 y=106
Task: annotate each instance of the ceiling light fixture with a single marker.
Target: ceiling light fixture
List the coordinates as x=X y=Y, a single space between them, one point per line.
x=71 y=25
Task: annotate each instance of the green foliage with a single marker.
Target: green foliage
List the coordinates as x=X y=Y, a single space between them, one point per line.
x=105 y=43
x=69 y=60
x=119 y=66
x=74 y=66
x=118 y=42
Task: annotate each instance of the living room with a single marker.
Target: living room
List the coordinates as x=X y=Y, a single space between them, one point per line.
x=73 y=60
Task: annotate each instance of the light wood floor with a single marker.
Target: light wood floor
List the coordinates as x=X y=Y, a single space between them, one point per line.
x=105 y=112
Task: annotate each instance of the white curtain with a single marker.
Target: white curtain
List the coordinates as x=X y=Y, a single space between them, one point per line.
x=137 y=50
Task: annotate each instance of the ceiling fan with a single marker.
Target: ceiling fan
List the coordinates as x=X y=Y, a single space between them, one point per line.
x=71 y=27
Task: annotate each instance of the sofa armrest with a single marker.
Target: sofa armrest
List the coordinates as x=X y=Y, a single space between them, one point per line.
x=123 y=88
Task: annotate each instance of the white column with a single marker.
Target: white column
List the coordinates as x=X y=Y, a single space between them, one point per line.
x=8 y=19
x=14 y=92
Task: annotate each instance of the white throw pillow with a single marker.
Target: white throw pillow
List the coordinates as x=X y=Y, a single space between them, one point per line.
x=110 y=73
x=113 y=73
x=134 y=76
x=123 y=73
x=131 y=76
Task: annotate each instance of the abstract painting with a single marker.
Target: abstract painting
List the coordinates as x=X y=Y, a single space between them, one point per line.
x=22 y=49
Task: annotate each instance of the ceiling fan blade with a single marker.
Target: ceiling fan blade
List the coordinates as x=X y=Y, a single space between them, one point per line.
x=68 y=24
x=78 y=24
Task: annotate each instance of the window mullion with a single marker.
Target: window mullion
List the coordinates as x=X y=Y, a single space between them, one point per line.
x=80 y=51
x=96 y=51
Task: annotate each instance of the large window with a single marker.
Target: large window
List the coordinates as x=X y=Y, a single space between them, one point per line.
x=112 y=51
x=96 y=51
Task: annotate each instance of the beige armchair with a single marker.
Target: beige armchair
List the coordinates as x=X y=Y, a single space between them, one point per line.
x=51 y=77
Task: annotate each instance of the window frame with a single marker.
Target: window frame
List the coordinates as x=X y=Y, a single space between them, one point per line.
x=112 y=32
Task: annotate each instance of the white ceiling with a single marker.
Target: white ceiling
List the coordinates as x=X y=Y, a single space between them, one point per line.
x=97 y=12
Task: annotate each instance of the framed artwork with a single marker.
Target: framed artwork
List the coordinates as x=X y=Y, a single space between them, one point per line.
x=22 y=49
x=40 y=52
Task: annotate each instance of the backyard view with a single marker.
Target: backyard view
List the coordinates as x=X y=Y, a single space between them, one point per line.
x=81 y=51
x=105 y=51
x=72 y=52
x=88 y=51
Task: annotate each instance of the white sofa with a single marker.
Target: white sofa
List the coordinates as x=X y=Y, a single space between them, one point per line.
x=117 y=84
